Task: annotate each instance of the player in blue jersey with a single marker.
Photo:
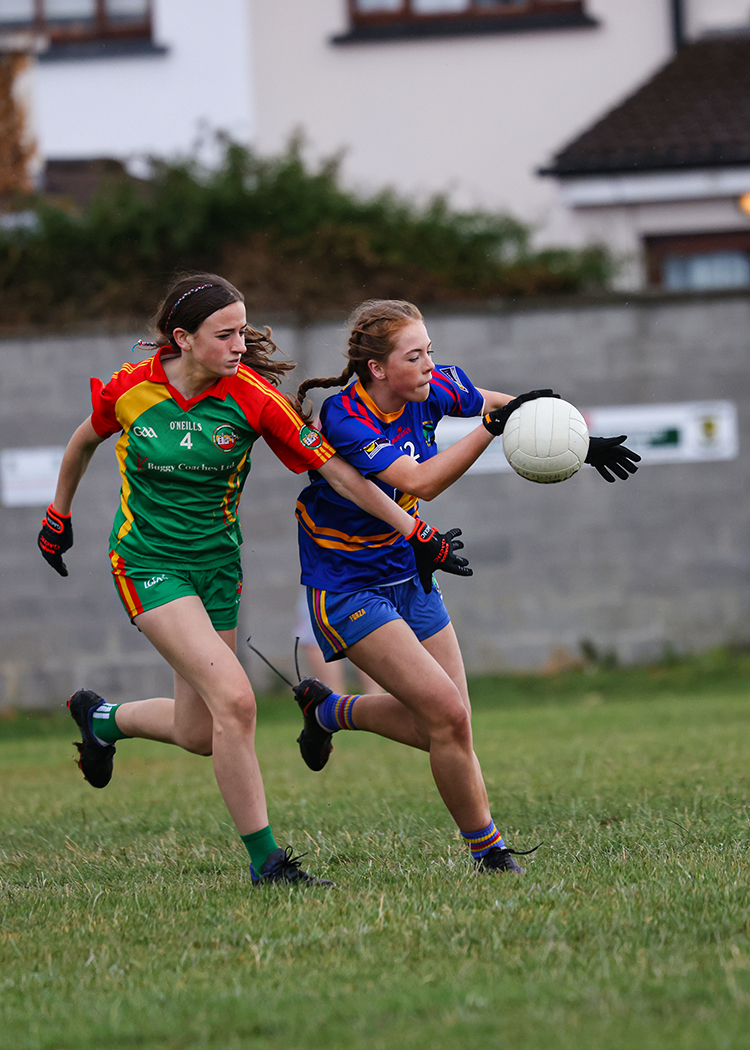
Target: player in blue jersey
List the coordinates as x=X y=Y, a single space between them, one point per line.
x=363 y=594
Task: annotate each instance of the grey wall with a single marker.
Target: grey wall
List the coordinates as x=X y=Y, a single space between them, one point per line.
x=658 y=562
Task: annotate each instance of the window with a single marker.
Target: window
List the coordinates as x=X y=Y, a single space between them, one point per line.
x=431 y=17
x=699 y=262
x=79 y=20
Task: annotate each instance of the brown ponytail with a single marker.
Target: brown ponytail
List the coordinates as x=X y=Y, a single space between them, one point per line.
x=259 y=348
x=373 y=327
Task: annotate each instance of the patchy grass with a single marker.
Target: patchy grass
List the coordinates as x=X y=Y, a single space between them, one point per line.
x=127 y=918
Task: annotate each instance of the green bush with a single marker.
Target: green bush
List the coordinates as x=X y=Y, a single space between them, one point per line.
x=290 y=237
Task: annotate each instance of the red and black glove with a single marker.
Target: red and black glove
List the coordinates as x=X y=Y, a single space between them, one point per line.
x=55 y=538
x=611 y=457
x=436 y=550
x=495 y=421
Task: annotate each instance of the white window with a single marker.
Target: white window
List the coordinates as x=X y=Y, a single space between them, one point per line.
x=699 y=261
x=413 y=10
x=706 y=270
x=79 y=19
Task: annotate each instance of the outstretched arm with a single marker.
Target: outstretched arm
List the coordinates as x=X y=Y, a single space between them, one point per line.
x=432 y=549
x=428 y=479
x=56 y=535
x=350 y=484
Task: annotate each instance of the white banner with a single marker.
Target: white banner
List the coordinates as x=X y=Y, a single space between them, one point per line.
x=28 y=476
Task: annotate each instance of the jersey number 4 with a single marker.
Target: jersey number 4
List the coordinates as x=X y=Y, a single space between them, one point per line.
x=187 y=441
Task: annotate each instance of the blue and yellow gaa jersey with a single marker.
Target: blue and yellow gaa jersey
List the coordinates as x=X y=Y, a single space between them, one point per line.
x=342 y=548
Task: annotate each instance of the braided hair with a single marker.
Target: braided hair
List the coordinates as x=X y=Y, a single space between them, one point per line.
x=192 y=298
x=374 y=326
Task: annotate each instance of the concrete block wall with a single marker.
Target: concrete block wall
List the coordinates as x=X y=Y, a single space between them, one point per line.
x=658 y=563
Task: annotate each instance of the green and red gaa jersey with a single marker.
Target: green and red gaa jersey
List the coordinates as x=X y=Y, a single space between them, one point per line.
x=184 y=463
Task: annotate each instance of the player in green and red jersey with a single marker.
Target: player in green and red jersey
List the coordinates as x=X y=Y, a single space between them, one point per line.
x=188 y=417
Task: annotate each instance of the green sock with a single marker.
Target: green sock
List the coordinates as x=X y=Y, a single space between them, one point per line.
x=259 y=844
x=103 y=724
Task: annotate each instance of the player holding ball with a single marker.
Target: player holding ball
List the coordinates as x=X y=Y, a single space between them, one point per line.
x=363 y=593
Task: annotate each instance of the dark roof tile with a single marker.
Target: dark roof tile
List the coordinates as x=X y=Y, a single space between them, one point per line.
x=695 y=112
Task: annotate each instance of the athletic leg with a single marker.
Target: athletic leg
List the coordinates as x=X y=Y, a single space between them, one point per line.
x=383 y=714
x=185 y=720
x=468 y=805
x=182 y=632
x=437 y=720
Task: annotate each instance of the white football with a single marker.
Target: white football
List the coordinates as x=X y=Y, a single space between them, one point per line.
x=546 y=440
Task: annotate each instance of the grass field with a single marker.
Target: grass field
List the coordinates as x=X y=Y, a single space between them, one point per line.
x=128 y=920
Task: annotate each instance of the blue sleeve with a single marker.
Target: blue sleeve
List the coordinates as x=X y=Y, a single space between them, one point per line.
x=454 y=392
x=358 y=438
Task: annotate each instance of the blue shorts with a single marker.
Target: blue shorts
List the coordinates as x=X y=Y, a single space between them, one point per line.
x=340 y=620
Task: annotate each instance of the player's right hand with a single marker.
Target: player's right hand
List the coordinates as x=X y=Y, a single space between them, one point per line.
x=55 y=537
x=436 y=550
x=495 y=421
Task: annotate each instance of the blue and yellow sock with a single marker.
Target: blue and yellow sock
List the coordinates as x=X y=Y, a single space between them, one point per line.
x=481 y=842
x=103 y=724
x=336 y=712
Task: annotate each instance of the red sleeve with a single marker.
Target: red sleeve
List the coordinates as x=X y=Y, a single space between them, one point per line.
x=298 y=445
x=104 y=397
x=103 y=400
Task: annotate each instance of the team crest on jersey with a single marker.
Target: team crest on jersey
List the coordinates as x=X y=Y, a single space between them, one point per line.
x=428 y=431
x=374 y=447
x=225 y=437
x=451 y=372
x=310 y=437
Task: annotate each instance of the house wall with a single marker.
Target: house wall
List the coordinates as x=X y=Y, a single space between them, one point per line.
x=131 y=106
x=707 y=16
x=473 y=117
x=660 y=561
x=623 y=226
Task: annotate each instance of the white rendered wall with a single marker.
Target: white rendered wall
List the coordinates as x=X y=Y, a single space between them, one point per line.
x=127 y=107
x=473 y=116
x=707 y=16
x=623 y=226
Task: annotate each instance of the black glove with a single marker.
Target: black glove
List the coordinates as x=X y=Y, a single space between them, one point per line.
x=436 y=550
x=495 y=421
x=609 y=454
x=55 y=538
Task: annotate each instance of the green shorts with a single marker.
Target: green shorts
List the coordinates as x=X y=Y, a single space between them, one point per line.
x=219 y=589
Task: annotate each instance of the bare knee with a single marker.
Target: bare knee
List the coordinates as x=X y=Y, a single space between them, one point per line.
x=236 y=714
x=452 y=726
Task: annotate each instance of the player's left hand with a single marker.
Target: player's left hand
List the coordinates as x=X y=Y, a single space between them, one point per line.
x=610 y=455
x=437 y=550
x=495 y=421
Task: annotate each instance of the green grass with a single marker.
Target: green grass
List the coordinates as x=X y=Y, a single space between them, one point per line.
x=127 y=919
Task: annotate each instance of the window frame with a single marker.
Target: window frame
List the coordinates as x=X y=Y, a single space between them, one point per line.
x=657 y=247
x=405 y=24
x=103 y=28
x=407 y=17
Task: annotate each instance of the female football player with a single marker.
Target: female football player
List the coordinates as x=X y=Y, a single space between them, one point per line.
x=363 y=595
x=187 y=419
